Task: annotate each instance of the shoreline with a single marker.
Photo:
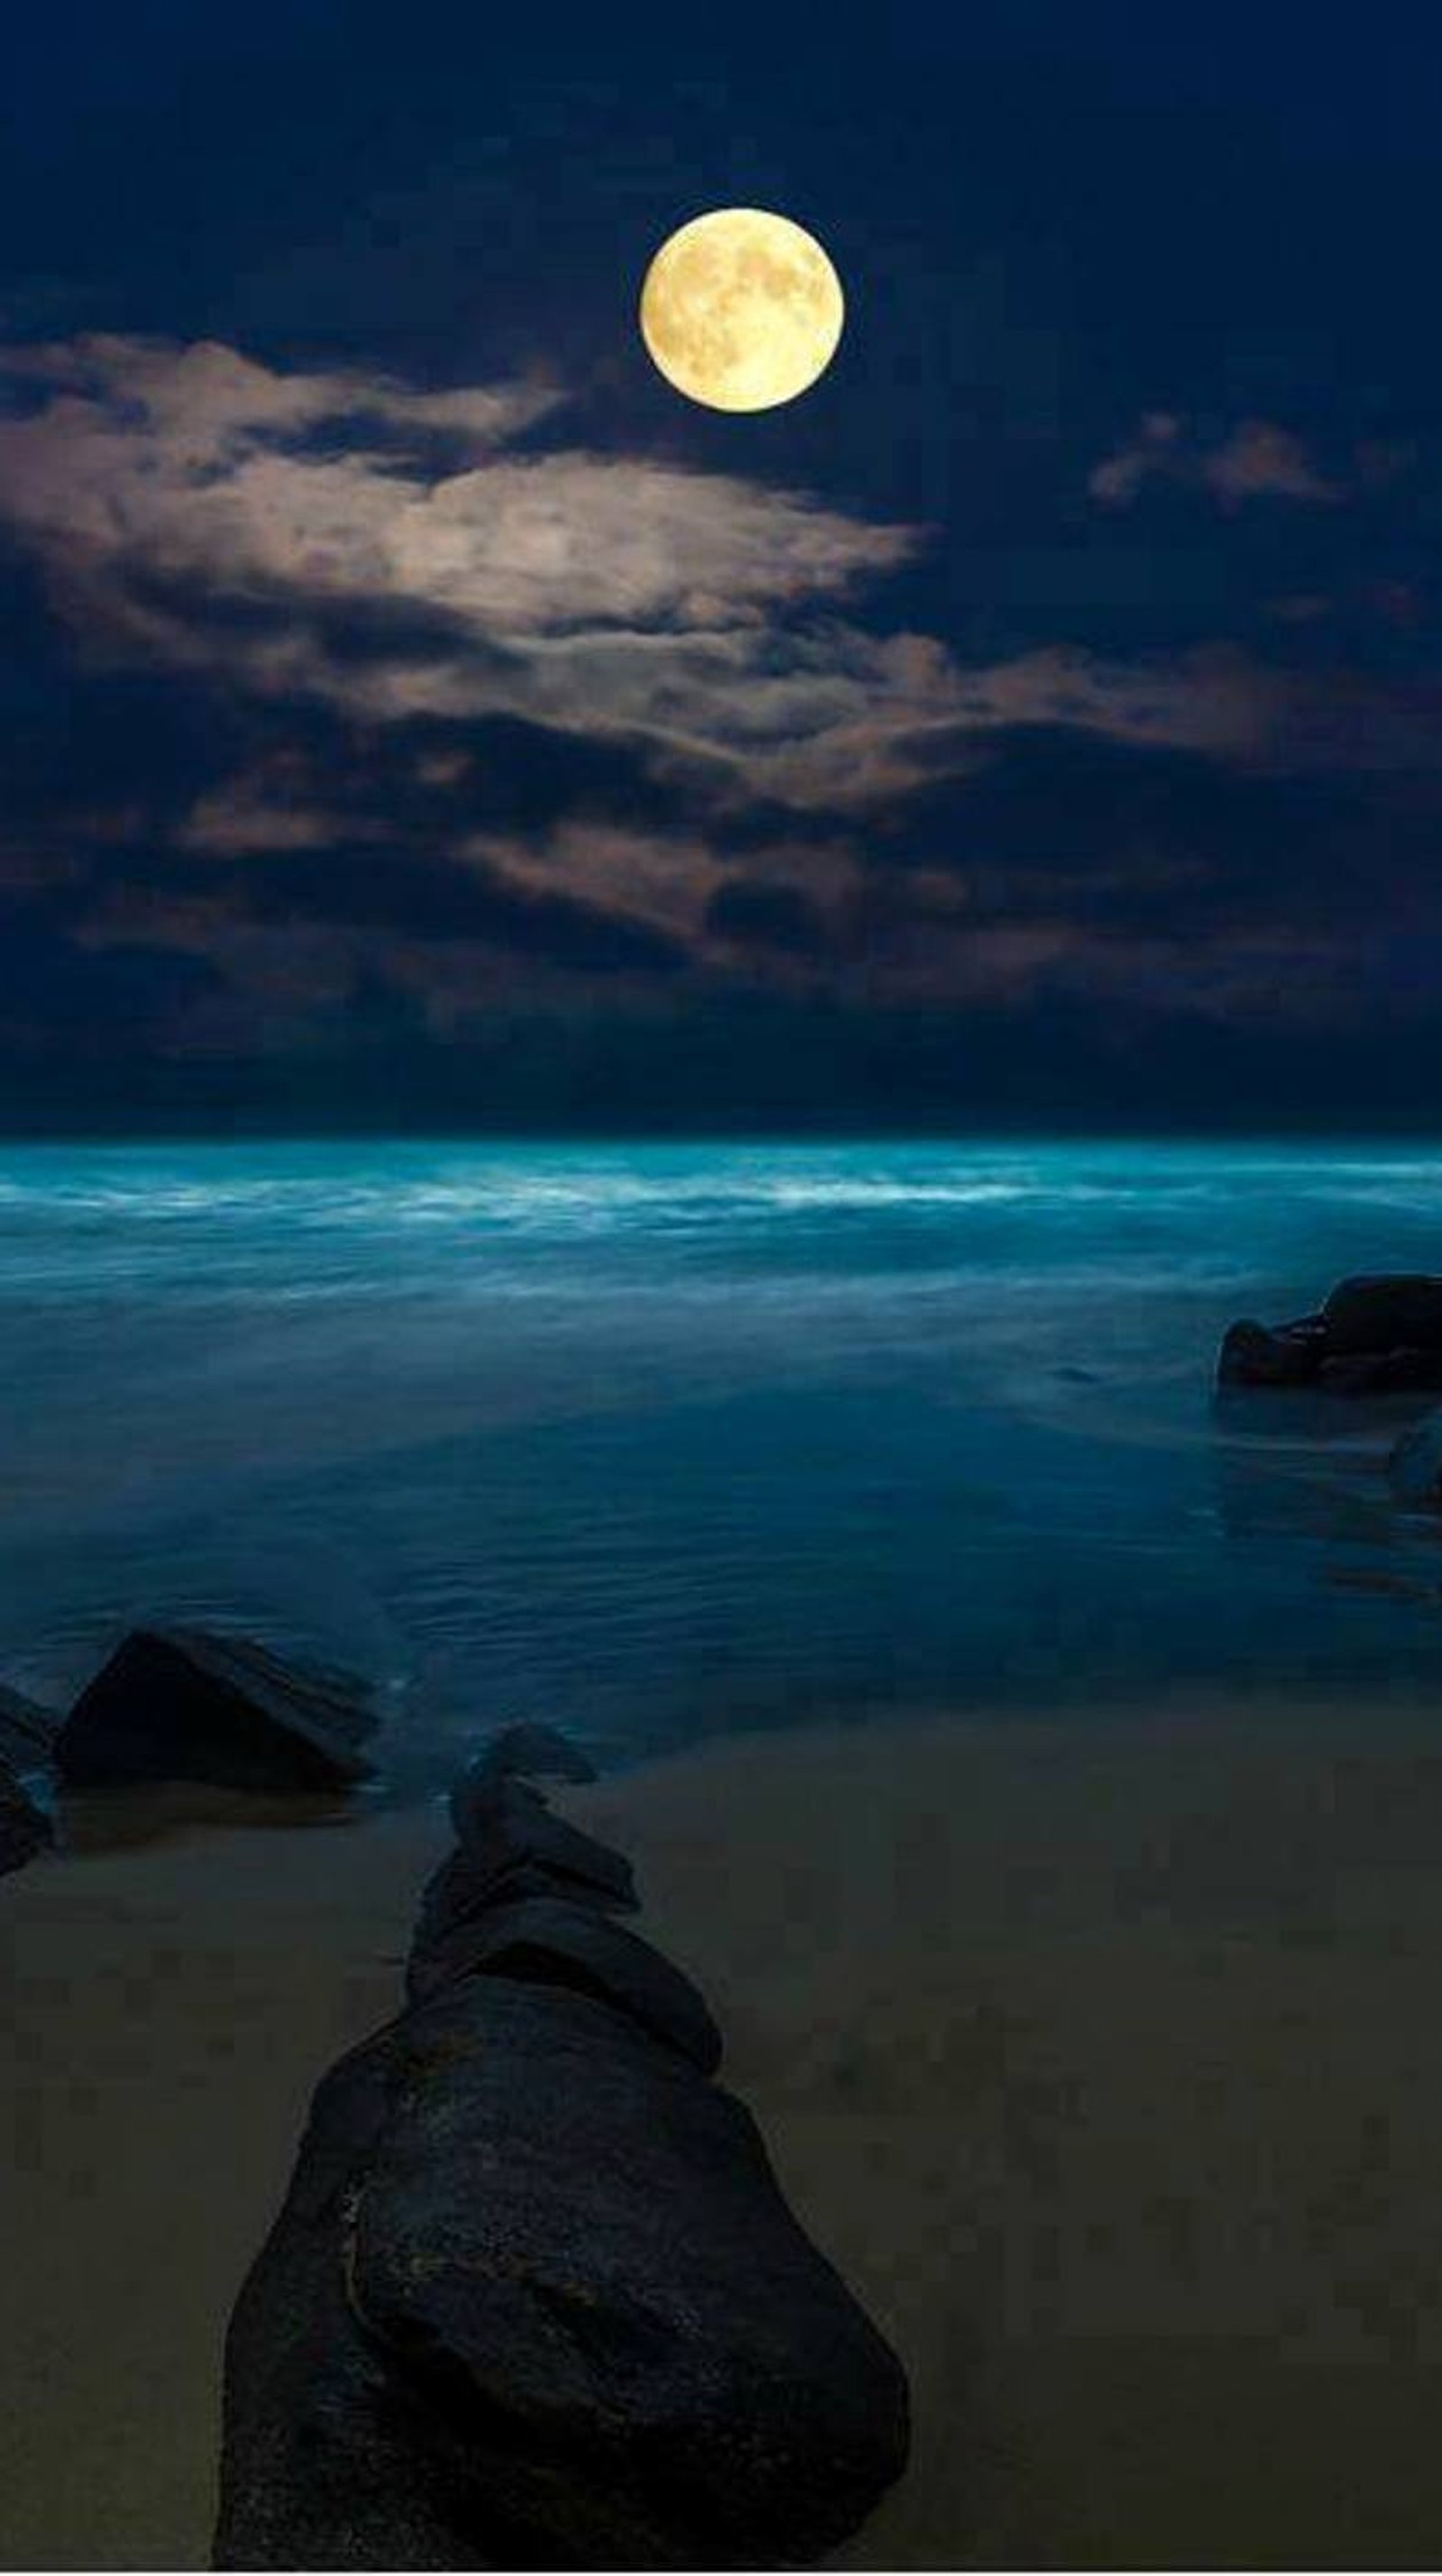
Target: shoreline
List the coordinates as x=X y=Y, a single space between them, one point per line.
x=1100 y=2057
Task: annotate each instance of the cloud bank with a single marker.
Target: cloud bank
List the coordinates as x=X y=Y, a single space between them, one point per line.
x=400 y=555
x=447 y=712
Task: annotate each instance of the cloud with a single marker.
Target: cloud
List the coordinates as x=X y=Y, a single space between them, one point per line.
x=711 y=900
x=201 y=405
x=396 y=706
x=1211 y=699
x=394 y=553
x=267 y=810
x=403 y=557
x=1258 y=460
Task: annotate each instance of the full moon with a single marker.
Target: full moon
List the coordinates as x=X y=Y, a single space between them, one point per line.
x=741 y=309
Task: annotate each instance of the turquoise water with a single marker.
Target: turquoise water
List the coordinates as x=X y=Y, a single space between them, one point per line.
x=660 y=1440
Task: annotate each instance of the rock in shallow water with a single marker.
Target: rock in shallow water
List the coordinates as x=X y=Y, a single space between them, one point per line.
x=1374 y=1335
x=1384 y=1311
x=1255 y=1354
x=1403 y=1371
x=182 y=1704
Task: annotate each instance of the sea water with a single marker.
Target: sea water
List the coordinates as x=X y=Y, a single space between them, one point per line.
x=659 y=1440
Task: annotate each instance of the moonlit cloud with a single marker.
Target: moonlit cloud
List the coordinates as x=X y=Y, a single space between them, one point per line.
x=1258 y=460
x=392 y=553
x=262 y=812
x=493 y=724
x=401 y=555
x=671 y=883
x=1207 y=700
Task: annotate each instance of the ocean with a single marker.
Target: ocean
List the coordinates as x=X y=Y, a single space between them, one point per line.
x=659 y=1441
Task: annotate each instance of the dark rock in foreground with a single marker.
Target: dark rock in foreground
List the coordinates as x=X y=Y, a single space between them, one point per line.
x=547 y=1941
x=456 y=1896
x=1415 y=1466
x=536 y=2300
x=535 y=2297
x=526 y=1752
x=512 y=1846
x=511 y=1824
x=182 y=1704
x=1375 y=1335
x=23 y=1829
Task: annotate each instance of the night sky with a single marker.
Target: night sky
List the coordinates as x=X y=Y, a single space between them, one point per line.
x=415 y=714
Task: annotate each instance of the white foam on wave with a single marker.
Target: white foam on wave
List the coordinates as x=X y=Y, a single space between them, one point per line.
x=469 y=1192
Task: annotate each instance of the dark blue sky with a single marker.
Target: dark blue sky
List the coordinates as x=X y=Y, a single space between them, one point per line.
x=413 y=711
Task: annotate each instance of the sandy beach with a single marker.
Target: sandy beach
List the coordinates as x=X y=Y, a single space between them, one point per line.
x=1102 y=2058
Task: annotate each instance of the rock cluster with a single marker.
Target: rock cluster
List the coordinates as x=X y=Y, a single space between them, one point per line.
x=1377 y=1335
x=1380 y=1334
x=535 y=2297
x=182 y=1704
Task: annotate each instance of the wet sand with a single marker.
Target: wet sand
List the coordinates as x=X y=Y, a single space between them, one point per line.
x=1104 y=2059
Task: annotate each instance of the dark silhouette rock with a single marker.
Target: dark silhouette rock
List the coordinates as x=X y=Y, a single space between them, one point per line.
x=545 y=1941
x=1384 y=1311
x=1271 y=1355
x=536 y=2299
x=1375 y=1335
x=1397 y=1372
x=455 y=1897
x=509 y=1821
x=1415 y=1466
x=23 y=1829
x=183 y=1704
x=513 y=1845
x=528 y=1752
x=294 y=2354
x=27 y=1731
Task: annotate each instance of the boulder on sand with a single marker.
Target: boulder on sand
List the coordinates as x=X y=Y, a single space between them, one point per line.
x=511 y=1823
x=550 y=1941
x=512 y=1845
x=184 y=1704
x=1374 y=1335
x=23 y=1829
x=526 y=1752
x=457 y=1896
x=536 y=2299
